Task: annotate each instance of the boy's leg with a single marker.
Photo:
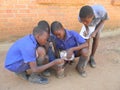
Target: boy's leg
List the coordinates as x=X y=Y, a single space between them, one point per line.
x=94 y=48
x=42 y=60
x=82 y=62
x=22 y=69
x=19 y=68
x=59 y=70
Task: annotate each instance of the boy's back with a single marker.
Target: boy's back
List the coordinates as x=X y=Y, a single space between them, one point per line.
x=100 y=14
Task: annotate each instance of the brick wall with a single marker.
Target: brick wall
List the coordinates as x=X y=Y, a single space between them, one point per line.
x=18 y=17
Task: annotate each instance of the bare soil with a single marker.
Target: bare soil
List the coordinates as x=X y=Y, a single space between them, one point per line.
x=106 y=76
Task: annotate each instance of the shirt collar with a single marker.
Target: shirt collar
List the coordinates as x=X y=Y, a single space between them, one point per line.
x=33 y=39
x=68 y=35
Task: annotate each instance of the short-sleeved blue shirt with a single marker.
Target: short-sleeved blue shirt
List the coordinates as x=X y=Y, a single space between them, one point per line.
x=23 y=50
x=72 y=39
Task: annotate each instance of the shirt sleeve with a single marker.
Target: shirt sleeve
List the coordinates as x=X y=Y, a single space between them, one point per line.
x=28 y=53
x=101 y=11
x=78 y=38
x=105 y=17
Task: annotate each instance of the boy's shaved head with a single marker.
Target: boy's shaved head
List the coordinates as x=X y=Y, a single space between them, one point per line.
x=86 y=11
x=44 y=25
x=56 y=25
x=38 y=30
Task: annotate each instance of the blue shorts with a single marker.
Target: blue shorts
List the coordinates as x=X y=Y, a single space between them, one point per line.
x=18 y=66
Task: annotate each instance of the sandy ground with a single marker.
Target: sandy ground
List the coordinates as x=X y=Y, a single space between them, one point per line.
x=106 y=76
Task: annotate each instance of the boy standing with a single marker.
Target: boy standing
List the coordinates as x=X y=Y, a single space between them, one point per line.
x=72 y=43
x=93 y=18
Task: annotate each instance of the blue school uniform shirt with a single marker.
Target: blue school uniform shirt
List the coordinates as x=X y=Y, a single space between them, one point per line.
x=23 y=50
x=100 y=14
x=72 y=39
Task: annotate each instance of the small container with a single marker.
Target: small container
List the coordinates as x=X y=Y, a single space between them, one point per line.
x=63 y=55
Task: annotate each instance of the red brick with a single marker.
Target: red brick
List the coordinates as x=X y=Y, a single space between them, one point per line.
x=8 y=11
x=21 y=6
x=3 y=19
x=22 y=15
x=115 y=2
x=7 y=15
x=26 y=15
x=24 y=11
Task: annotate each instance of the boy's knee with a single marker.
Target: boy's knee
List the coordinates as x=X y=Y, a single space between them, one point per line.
x=85 y=52
x=41 y=56
x=40 y=52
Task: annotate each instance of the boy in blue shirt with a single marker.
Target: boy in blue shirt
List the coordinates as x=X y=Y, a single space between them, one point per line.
x=23 y=54
x=72 y=43
x=50 y=46
x=93 y=18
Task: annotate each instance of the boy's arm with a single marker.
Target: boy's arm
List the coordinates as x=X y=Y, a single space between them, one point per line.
x=57 y=54
x=79 y=47
x=87 y=31
x=56 y=50
x=38 y=69
x=98 y=27
x=46 y=46
x=81 y=42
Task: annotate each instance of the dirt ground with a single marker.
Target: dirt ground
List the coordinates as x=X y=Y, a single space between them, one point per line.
x=106 y=76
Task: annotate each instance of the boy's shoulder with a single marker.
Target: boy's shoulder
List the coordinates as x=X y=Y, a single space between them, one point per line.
x=71 y=31
x=27 y=41
x=97 y=6
x=100 y=14
x=78 y=38
x=99 y=9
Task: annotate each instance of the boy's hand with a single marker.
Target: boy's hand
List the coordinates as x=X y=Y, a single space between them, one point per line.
x=93 y=35
x=85 y=33
x=59 y=61
x=69 y=53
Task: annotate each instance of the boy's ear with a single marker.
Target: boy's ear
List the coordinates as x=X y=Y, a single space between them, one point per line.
x=37 y=36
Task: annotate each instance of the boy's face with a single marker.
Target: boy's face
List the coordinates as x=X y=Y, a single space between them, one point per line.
x=86 y=21
x=42 y=39
x=60 y=33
